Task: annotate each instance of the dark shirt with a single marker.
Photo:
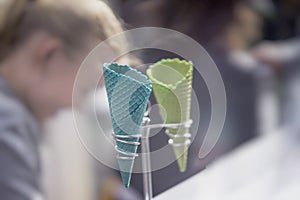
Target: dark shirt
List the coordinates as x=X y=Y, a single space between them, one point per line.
x=19 y=158
x=240 y=123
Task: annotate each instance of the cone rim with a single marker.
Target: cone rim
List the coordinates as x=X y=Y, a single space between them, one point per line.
x=146 y=82
x=165 y=61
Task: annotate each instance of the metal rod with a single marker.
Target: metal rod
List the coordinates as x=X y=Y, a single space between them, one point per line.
x=146 y=161
x=145 y=145
x=186 y=124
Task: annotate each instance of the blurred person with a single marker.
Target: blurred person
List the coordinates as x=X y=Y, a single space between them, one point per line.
x=283 y=58
x=40 y=55
x=281 y=50
x=228 y=34
x=226 y=29
x=42 y=44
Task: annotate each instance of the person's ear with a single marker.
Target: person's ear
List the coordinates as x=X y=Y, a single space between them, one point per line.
x=45 y=47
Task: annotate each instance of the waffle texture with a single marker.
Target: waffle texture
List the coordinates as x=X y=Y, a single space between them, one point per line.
x=128 y=93
x=172 y=87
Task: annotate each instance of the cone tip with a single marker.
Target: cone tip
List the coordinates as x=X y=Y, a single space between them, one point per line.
x=126 y=185
x=126 y=177
x=182 y=169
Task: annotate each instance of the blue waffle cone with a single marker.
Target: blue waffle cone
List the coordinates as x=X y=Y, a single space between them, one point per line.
x=128 y=92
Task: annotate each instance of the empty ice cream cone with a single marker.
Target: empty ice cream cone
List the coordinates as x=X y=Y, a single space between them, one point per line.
x=128 y=92
x=172 y=87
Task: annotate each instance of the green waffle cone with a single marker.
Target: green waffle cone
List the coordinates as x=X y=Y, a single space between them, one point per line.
x=128 y=92
x=172 y=87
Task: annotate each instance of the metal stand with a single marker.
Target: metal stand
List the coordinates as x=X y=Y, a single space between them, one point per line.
x=147 y=178
x=145 y=135
x=146 y=161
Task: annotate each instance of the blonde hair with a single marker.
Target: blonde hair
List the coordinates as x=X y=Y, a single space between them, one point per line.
x=69 y=20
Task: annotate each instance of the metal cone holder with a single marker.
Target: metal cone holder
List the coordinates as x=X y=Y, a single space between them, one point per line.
x=145 y=145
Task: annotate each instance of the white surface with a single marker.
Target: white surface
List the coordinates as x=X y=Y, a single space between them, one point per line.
x=264 y=169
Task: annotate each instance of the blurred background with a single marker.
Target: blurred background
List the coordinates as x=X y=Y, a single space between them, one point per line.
x=256 y=47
